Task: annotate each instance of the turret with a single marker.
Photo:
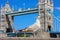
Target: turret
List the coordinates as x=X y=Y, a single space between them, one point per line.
x=7 y=7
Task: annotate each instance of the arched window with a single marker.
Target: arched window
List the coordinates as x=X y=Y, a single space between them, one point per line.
x=49 y=28
x=49 y=18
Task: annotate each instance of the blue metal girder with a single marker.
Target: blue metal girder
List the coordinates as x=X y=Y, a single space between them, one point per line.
x=35 y=10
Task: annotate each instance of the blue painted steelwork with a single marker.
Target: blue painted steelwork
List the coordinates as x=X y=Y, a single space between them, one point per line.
x=26 y=33
x=1 y=31
x=34 y=10
x=10 y=34
x=55 y=27
x=55 y=32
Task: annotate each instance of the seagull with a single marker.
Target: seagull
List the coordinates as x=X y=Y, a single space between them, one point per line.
x=34 y=27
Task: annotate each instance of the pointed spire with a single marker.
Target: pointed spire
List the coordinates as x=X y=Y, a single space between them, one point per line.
x=20 y=9
x=12 y=10
x=7 y=7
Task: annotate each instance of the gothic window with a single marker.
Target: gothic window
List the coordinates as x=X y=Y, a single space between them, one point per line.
x=49 y=28
x=12 y=18
x=49 y=18
x=8 y=30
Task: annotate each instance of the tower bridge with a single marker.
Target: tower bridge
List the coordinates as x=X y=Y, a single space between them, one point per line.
x=32 y=11
x=45 y=13
x=35 y=10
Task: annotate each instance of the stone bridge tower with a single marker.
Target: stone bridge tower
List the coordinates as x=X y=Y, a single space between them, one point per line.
x=5 y=9
x=46 y=15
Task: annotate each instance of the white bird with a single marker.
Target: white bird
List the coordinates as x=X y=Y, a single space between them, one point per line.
x=34 y=27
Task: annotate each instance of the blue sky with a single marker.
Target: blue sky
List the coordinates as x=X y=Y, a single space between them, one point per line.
x=24 y=4
x=57 y=14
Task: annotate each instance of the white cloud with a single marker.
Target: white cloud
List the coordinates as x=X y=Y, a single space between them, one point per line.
x=58 y=8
